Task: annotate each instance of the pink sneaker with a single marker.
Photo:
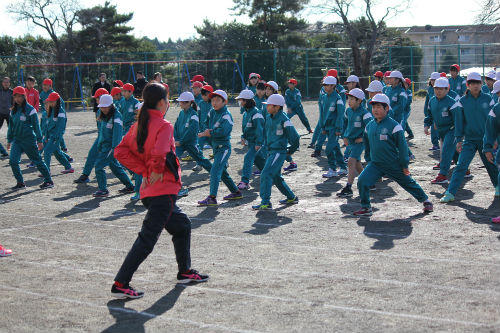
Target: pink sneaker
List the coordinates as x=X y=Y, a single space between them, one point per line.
x=495 y=219
x=5 y=252
x=66 y=171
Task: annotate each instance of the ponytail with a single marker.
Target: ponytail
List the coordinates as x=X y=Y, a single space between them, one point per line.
x=56 y=109
x=194 y=105
x=152 y=94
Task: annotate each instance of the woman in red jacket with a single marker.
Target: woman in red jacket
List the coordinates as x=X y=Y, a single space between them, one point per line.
x=148 y=149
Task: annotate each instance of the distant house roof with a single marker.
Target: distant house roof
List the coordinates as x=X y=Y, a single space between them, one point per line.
x=449 y=28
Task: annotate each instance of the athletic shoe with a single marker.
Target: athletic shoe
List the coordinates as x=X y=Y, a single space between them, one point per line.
x=211 y=155
x=18 y=186
x=197 y=167
x=331 y=173
x=291 y=167
x=191 y=276
x=262 y=206
x=5 y=252
x=428 y=207
x=126 y=190
x=64 y=150
x=363 y=212
x=243 y=186
x=207 y=147
x=71 y=160
x=46 y=185
x=31 y=165
x=100 y=194
x=310 y=131
x=183 y=192
x=410 y=137
x=440 y=179
x=4 y=155
x=125 y=291
x=135 y=197
x=345 y=193
x=40 y=175
x=342 y=172
x=447 y=197
x=437 y=166
x=373 y=188
x=346 y=159
x=497 y=191
x=187 y=158
x=208 y=201
x=311 y=146
x=468 y=174
x=290 y=201
x=257 y=172
x=70 y=170
x=316 y=153
x=495 y=219
x=82 y=179
x=433 y=148
x=412 y=157
x=234 y=196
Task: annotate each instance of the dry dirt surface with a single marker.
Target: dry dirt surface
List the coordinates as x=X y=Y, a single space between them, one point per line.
x=311 y=267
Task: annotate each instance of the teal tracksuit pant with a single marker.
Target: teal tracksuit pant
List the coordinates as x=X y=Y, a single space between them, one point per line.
x=62 y=144
x=2 y=150
x=91 y=158
x=469 y=149
x=434 y=136
x=53 y=147
x=448 y=150
x=333 y=152
x=372 y=173
x=103 y=159
x=302 y=116
x=218 y=170
x=31 y=150
x=248 y=162
x=271 y=174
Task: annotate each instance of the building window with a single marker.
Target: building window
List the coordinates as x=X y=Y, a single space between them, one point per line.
x=465 y=51
x=435 y=38
x=463 y=38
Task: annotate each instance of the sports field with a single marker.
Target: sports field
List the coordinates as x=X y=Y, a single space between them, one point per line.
x=311 y=267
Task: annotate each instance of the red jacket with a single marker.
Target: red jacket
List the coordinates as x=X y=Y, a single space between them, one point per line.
x=33 y=98
x=159 y=142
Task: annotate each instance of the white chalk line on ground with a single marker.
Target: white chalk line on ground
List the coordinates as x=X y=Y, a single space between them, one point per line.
x=299 y=301
x=129 y=311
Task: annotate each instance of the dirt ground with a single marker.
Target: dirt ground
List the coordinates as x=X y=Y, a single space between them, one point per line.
x=312 y=267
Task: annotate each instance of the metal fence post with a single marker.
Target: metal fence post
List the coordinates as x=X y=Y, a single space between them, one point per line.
x=458 y=51
x=243 y=63
x=390 y=58
x=274 y=65
x=337 y=67
x=307 y=73
x=179 y=83
x=145 y=64
x=483 y=60
x=411 y=63
x=435 y=58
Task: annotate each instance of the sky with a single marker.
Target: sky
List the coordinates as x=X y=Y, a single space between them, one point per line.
x=177 y=19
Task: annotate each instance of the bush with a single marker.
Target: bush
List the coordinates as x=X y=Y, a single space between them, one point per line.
x=421 y=93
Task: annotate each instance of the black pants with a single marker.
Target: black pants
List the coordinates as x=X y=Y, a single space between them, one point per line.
x=4 y=117
x=162 y=213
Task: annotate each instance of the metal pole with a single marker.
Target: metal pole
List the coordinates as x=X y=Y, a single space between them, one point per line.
x=435 y=58
x=243 y=63
x=307 y=73
x=274 y=65
x=411 y=63
x=458 y=51
x=179 y=83
x=337 y=59
x=145 y=65
x=483 y=60
x=390 y=58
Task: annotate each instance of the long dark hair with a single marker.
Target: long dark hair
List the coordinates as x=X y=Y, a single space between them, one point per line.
x=111 y=113
x=152 y=94
x=56 y=109
x=249 y=104
x=15 y=105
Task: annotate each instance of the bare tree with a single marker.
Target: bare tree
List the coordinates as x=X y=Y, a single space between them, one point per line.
x=490 y=12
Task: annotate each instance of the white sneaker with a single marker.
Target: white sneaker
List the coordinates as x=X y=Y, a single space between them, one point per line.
x=342 y=172
x=197 y=167
x=331 y=173
x=207 y=147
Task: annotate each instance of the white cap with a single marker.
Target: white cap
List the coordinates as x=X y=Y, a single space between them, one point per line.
x=186 y=97
x=491 y=75
x=442 y=82
x=352 y=78
x=380 y=98
x=329 y=80
x=375 y=86
x=358 y=93
x=245 y=94
x=138 y=105
x=273 y=84
x=435 y=75
x=253 y=75
x=220 y=93
x=496 y=87
x=474 y=76
x=498 y=76
x=275 y=99
x=105 y=101
x=397 y=74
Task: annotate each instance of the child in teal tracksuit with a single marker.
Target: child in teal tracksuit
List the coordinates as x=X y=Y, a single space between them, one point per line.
x=220 y=126
x=46 y=91
x=260 y=97
x=385 y=142
x=279 y=134
x=53 y=133
x=24 y=135
x=357 y=117
x=203 y=111
x=253 y=80
x=457 y=82
x=440 y=114
x=332 y=115
x=470 y=119
x=110 y=135
x=429 y=95
x=293 y=100
x=253 y=133
x=407 y=113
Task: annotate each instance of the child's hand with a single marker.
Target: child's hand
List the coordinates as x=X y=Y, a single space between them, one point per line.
x=154 y=177
x=8 y=146
x=257 y=148
x=243 y=141
x=204 y=133
x=406 y=172
x=177 y=144
x=346 y=142
x=426 y=130
x=358 y=140
x=459 y=146
x=337 y=133
x=40 y=146
x=323 y=132
x=489 y=156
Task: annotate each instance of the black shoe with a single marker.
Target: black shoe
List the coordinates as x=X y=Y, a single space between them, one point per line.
x=46 y=185
x=101 y=194
x=4 y=155
x=70 y=160
x=410 y=137
x=345 y=193
x=64 y=150
x=18 y=186
x=82 y=179
x=125 y=291
x=126 y=190
x=316 y=153
x=311 y=145
x=191 y=276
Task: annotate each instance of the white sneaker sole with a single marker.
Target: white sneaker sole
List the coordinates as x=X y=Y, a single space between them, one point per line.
x=186 y=281
x=123 y=296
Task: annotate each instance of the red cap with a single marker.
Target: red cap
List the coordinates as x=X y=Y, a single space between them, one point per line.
x=99 y=92
x=199 y=78
x=292 y=81
x=456 y=67
x=119 y=83
x=208 y=88
x=408 y=81
x=197 y=84
x=19 y=90
x=378 y=74
x=116 y=91
x=332 y=72
x=128 y=86
x=166 y=87
x=386 y=74
x=442 y=74
x=47 y=82
x=53 y=97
